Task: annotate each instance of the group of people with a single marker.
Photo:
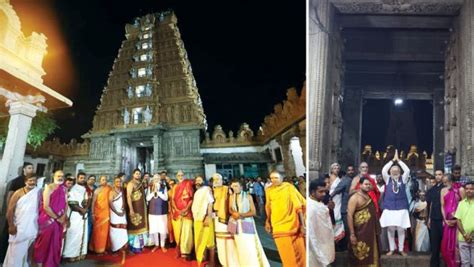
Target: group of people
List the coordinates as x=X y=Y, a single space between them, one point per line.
x=392 y=211
x=70 y=217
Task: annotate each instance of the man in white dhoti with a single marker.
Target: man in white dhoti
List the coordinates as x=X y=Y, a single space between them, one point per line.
x=248 y=247
x=203 y=222
x=322 y=249
x=22 y=216
x=75 y=241
x=395 y=215
x=224 y=240
x=157 y=198
x=118 y=221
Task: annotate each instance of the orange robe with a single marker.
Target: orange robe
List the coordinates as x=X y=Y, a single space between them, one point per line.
x=100 y=232
x=282 y=206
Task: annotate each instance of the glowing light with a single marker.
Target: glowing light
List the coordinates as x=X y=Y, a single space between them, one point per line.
x=398 y=101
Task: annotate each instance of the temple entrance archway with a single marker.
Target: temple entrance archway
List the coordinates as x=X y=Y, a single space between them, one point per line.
x=375 y=49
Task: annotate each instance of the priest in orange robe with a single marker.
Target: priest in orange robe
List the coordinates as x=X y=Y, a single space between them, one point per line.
x=100 y=217
x=285 y=208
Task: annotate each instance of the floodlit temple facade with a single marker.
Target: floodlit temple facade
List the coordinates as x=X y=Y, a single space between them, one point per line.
x=151 y=117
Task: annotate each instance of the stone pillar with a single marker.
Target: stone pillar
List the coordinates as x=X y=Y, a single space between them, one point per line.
x=241 y=169
x=351 y=129
x=320 y=20
x=302 y=139
x=288 y=161
x=21 y=115
x=156 y=152
x=451 y=98
x=466 y=92
x=438 y=129
x=118 y=155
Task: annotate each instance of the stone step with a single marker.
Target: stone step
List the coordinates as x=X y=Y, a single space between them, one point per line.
x=412 y=259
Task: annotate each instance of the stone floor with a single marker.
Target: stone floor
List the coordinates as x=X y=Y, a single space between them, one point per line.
x=266 y=240
x=413 y=259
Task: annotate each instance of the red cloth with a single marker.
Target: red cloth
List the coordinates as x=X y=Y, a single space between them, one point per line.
x=182 y=196
x=374 y=193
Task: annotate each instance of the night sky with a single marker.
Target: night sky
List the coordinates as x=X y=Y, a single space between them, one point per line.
x=244 y=54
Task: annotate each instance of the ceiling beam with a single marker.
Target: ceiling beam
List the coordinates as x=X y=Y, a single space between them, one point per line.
x=394 y=67
x=368 y=56
x=406 y=95
x=407 y=22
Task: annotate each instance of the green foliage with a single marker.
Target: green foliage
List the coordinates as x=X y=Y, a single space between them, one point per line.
x=41 y=127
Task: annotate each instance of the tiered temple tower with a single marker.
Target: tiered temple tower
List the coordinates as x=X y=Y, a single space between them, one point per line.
x=150 y=114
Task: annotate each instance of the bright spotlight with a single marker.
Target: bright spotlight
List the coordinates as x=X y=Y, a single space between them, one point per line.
x=398 y=101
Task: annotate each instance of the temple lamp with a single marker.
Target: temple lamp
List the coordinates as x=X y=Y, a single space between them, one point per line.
x=398 y=101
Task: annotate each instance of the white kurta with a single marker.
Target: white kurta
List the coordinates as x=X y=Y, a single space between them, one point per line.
x=158 y=223
x=75 y=242
x=26 y=221
x=399 y=218
x=118 y=236
x=320 y=235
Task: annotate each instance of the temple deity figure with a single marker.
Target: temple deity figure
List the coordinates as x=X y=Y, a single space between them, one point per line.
x=126 y=117
x=148 y=115
x=413 y=157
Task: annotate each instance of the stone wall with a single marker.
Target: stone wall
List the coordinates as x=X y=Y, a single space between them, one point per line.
x=464 y=97
x=325 y=87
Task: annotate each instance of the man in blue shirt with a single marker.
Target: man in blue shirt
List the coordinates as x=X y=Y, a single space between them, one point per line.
x=260 y=195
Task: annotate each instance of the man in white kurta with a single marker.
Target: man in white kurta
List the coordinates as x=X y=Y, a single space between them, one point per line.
x=157 y=198
x=75 y=242
x=22 y=215
x=395 y=215
x=320 y=229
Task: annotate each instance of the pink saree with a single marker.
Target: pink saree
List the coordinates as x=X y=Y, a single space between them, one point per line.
x=449 y=242
x=47 y=247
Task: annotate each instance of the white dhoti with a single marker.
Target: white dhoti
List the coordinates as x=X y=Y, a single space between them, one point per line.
x=25 y=219
x=158 y=229
x=225 y=245
x=76 y=242
x=249 y=249
x=118 y=226
x=422 y=243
